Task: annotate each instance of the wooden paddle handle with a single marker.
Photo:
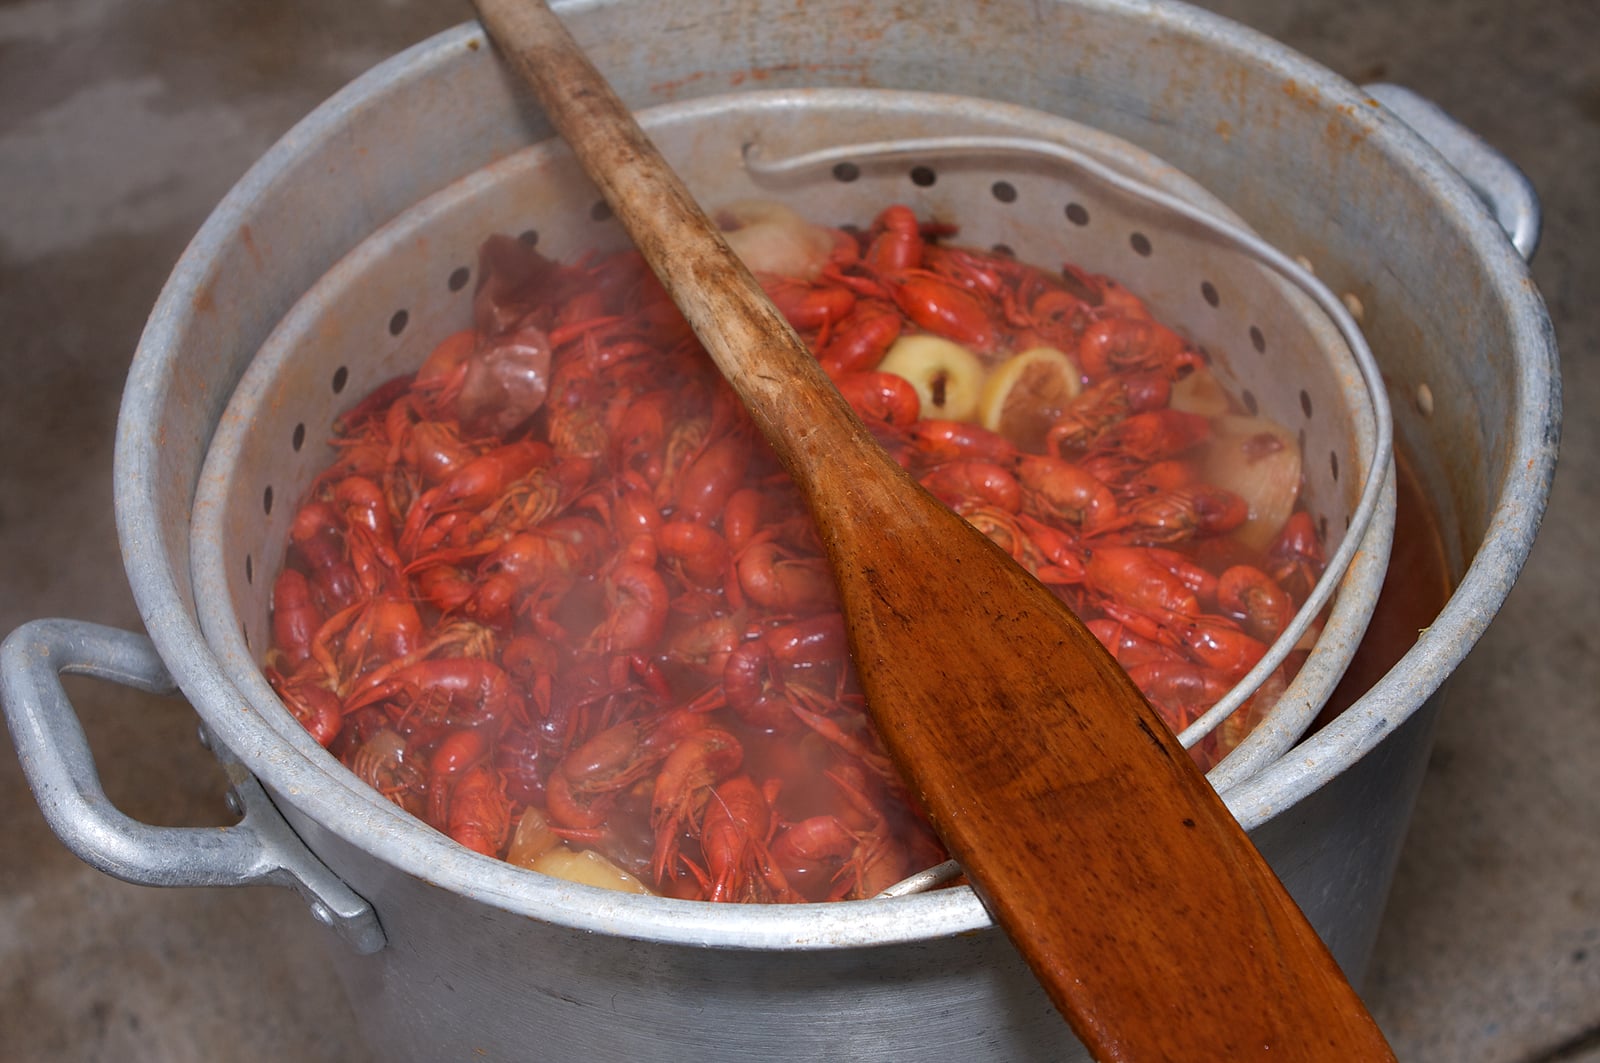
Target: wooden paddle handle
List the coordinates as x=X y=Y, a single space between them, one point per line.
x=1148 y=916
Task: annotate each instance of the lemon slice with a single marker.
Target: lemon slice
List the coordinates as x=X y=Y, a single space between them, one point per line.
x=1026 y=393
x=947 y=376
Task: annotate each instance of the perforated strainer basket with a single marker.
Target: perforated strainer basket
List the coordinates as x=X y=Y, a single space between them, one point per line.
x=1048 y=189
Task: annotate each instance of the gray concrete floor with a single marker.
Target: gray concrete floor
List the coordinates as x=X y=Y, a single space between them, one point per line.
x=122 y=122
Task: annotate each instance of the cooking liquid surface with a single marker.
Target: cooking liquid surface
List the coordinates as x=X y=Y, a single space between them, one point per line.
x=1415 y=588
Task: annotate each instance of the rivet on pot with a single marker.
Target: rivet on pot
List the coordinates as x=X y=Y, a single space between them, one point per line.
x=231 y=799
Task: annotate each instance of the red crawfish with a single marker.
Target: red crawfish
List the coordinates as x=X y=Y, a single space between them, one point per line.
x=454 y=691
x=765 y=678
x=295 y=616
x=984 y=481
x=945 y=309
x=895 y=243
x=480 y=814
x=862 y=339
x=733 y=836
x=771 y=576
x=1251 y=596
x=475 y=485
x=695 y=765
x=589 y=779
x=310 y=702
x=880 y=398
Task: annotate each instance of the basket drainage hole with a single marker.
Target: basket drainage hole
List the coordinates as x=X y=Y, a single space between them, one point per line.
x=1257 y=340
x=249 y=569
x=398 y=323
x=460 y=275
x=1208 y=292
x=1004 y=250
x=244 y=631
x=266 y=500
x=1333 y=464
x=341 y=377
x=845 y=172
x=1248 y=397
x=1004 y=191
x=298 y=440
x=601 y=211
x=527 y=236
x=1140 y=244
x=923 y=176
x=1305 y=402
x=1077 y=214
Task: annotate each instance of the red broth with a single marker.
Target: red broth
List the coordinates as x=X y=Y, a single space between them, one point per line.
x=1415 y=588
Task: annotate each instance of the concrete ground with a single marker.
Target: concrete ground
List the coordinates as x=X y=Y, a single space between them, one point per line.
x=122 y=122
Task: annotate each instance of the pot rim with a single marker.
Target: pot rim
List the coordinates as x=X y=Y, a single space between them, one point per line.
x=372 y=824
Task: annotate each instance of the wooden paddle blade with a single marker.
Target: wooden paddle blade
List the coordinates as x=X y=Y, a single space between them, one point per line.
x=1146 y=913
x=1135 y=897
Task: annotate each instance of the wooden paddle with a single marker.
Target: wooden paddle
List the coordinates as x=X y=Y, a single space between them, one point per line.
x=1099 y=847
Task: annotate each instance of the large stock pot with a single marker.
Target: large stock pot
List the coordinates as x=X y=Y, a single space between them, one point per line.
x=448 y=955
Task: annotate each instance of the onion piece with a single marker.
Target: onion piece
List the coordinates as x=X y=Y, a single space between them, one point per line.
x=506 y=382
x=1259 y=460
x=534 y=837
x=771 y=238
x=1200 y=392
x=588 y=868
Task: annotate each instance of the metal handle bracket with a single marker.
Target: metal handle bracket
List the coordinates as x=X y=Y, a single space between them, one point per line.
x=1495 y=179
x=260 y=849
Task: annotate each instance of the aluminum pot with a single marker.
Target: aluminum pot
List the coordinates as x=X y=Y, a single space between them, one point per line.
x=449 y=955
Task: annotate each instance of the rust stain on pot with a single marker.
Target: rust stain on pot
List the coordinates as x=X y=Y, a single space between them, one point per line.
x=248 y=238
x=855 y=71
x=1302 y=94
x=671 y=88
x=1346 y=128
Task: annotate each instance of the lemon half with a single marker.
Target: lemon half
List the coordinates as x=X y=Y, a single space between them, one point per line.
x=1026 y=393
x=947 y=376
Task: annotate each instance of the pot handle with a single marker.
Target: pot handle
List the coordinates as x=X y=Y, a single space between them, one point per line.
x=1495 y=179
x=260 y=849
